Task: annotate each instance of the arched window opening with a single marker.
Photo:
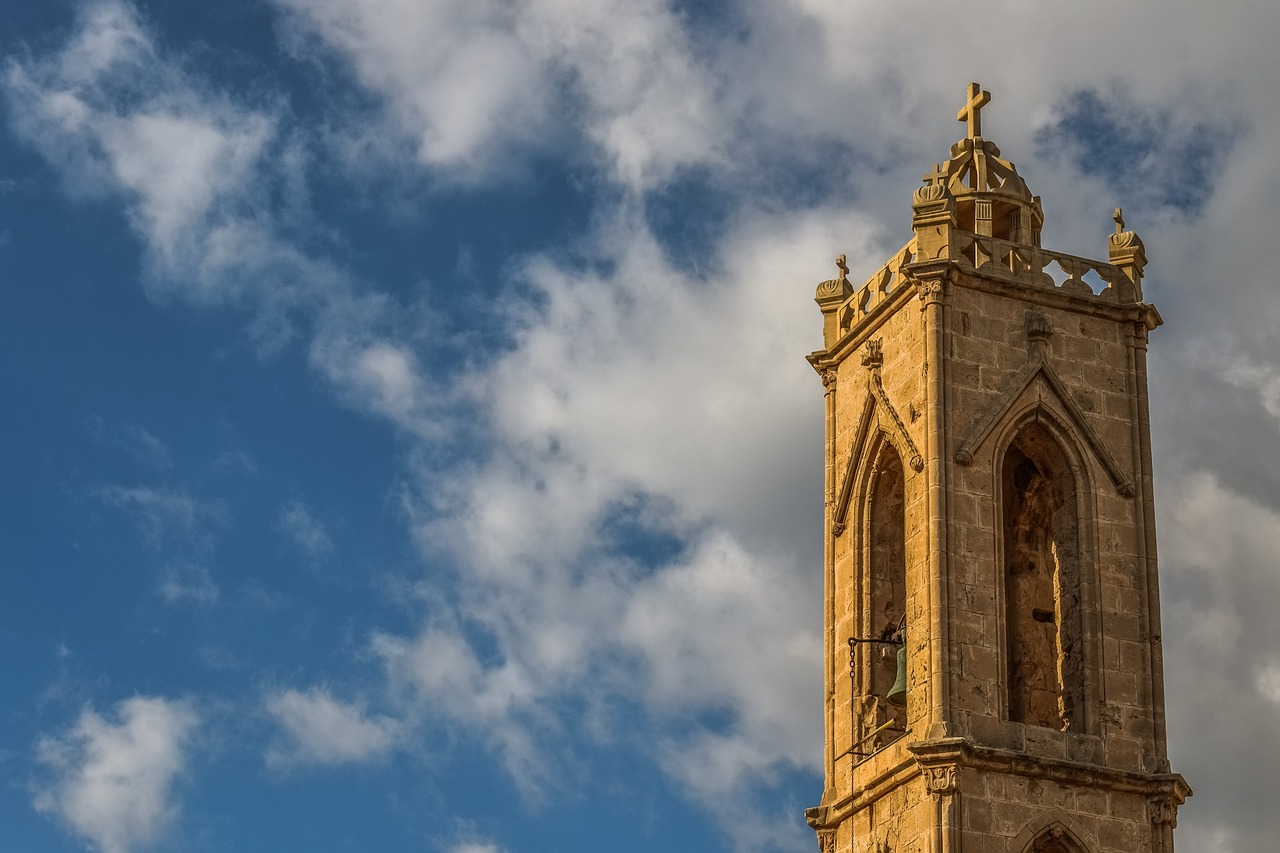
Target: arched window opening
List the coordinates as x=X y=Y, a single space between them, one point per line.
x=886 y=540
x=1042 y=583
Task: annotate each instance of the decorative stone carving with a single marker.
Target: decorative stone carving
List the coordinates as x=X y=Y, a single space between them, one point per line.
x=1039 y=329
x=930 y=290
x=1163 y=810
x=1049 y=841
x=836 y=289
x=940 y=780
x=912 y=453
x=874 y=357
x=930 y=193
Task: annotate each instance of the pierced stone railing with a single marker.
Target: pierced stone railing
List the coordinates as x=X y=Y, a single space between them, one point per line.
x=1038 y=267
x=885 y=281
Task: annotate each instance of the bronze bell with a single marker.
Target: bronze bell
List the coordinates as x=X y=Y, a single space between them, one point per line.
x=897 y=694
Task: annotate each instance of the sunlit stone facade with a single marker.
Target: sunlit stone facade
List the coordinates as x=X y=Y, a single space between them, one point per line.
x=989 y=505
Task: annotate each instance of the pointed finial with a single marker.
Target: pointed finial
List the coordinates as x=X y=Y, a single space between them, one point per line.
x=971 y=112
x=1119 y=218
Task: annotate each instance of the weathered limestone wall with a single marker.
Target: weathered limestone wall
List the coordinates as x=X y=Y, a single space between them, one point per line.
x=988 y=349
x=874 y=425
x=1002 y=813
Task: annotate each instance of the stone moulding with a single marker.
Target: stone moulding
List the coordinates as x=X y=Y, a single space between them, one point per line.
x=1038 y=368
x=896 y=432
x=1056 y=827
x=895 y=776
x=1168 y=788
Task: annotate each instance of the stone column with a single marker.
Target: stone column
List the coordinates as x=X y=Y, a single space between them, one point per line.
x=932 y=288
x=1137 y=340
x=829 y=382
x=941 y=782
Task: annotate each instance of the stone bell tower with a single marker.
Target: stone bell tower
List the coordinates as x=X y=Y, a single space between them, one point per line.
x=989 y=510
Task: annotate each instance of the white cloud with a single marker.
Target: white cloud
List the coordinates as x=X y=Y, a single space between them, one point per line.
x=120 y=120
x=472 y=82
x=113 y=781
x=615 y=412
x=323 y=730
x=305 y=530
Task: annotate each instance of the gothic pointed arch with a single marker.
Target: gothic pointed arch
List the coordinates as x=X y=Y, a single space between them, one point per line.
x=881 y=590
x=877 y=417
x=1039 y=374
x=1042 y=516
x=1055 y=832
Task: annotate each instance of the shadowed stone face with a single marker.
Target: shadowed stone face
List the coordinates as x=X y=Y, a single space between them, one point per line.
x=1042 y=583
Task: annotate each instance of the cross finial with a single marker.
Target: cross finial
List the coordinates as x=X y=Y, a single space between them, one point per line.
x=1119 y=218
x=971 y=111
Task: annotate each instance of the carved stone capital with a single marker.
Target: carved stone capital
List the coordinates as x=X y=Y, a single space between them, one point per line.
x=941 y=779
x=930 y=290
x=1163 y=810
x=1136 y=335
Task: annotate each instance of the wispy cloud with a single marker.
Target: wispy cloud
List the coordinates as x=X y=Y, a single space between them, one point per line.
x=305 y=530
x=164 y=514
x=113 y=780
x=134 y=440
x=188 y=583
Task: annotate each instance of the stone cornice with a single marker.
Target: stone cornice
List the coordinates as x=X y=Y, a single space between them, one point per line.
x=937 y=760
x=963 y=753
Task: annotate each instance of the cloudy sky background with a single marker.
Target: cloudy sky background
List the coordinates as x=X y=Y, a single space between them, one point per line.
x=408 y=441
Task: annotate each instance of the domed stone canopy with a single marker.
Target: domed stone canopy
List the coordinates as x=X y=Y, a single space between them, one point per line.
x=991 y=198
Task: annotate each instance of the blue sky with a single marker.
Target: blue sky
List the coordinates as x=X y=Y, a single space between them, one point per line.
x=409 y=444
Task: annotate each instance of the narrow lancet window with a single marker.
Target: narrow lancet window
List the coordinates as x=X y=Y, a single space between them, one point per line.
x=1042 y=583
x=886 y=542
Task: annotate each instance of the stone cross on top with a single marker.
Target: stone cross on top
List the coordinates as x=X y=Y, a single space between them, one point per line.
x=971 y=111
